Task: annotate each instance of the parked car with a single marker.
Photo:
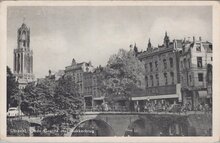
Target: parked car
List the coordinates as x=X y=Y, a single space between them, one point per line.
x=14 y=112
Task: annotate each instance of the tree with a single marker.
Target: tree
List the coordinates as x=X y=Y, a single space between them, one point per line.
x=67 y=98
x=39 y=98
x=12 y=90
x=123 y=74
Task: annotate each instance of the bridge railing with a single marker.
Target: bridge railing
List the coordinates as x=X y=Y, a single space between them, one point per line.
x=170 y=109
x=104 y=109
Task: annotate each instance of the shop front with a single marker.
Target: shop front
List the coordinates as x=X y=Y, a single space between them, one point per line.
x=88 y=102
x=97 y=103
x=154 y=103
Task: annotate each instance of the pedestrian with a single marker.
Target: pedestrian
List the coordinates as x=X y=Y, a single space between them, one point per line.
x=138 y=108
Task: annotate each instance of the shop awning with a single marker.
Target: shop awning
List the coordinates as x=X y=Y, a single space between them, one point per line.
x=203 y=94
x=156 y=97
x=98 y=98
x=87 y=95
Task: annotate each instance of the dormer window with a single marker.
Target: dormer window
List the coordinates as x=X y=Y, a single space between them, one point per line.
x=198 y=47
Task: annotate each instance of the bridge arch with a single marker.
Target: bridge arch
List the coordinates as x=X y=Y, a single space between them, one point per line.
x=100 y=127
x=142 y=127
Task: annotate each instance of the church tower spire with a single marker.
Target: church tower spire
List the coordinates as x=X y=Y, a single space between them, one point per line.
x=135 y=49
x=23 y=57
x=166 y=40
x=149 y=44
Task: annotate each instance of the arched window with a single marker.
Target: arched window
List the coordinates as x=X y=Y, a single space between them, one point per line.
x=157 y=78
x=165 y=78
x=151 y=66
x=152 y=80
x=23 y=36
x=165 y=63
x=156 y=65
x=172 y=77
x=146 y=80
x=171 y=62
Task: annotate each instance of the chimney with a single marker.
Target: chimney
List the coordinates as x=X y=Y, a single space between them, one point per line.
x=193 y=39
x=200 y=38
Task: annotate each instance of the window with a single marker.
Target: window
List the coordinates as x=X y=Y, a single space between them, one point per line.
x=209 y=49
x=164 y=63
x=145 y=67
x=157 y=78
x=152 y=80
x=190 y=78
x=181 y=64
x=200 y=77
x=165 y=78
x=172 y=77
x=184 y=63
x=146 y=80
x=24 y=43
x=199 y=62
x=198 y=48
x=156 y=65
x=77 y=78
x=211 y=58
x=171 y=62
x=151 y=67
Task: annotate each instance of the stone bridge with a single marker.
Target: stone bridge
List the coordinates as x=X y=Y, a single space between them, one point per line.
x=139 y=124
x=145 y=124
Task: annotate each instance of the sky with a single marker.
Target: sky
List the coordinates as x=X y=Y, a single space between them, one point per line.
x=90 y=33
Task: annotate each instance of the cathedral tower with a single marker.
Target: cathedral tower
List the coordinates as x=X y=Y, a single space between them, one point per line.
x=23 y=57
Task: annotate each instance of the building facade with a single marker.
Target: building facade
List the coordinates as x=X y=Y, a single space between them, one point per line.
x=195 y=61
x=93 y=93
x=162 y=75
x=89 y=81
x=23 y=57
x=76 y=70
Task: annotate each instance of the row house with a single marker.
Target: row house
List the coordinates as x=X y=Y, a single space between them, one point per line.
x=162 y=75
x=88 y=80
x=77 y=70
x=195 y=60
x=93 y=94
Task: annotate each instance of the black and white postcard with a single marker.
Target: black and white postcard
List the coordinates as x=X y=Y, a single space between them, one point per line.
x=84 y=71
